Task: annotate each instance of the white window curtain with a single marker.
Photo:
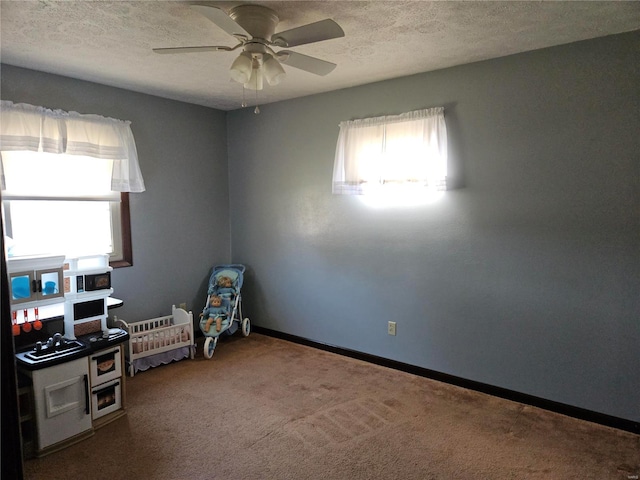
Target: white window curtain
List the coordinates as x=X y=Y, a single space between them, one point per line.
x=26 y=127
x=400 y=150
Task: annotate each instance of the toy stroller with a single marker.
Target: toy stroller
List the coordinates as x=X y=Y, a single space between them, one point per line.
x=223 y=311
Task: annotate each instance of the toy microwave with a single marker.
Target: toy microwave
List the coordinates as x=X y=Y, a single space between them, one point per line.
x=90 y=283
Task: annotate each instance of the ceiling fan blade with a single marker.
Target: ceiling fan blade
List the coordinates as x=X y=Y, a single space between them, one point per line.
x=222 y=20
x=306 y=63
x=211 y=48
x=313 y=32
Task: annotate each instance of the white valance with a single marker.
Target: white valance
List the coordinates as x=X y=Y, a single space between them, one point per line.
x=26 y=127
x=408 y=149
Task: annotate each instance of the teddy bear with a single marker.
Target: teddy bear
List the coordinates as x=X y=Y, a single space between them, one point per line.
x=214 y=313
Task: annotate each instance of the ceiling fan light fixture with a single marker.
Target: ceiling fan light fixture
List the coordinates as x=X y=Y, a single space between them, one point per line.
x=256 y=80
x=242 y=68
x=273 y=71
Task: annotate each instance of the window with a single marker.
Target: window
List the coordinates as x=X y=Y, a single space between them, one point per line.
x=65 y=181
x=392 y=155
x=63 y=204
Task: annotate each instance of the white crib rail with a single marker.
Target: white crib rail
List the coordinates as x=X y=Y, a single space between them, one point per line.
x=158 y=335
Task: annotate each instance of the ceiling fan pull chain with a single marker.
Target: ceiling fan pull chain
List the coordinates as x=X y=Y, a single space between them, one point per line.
x=257 y=109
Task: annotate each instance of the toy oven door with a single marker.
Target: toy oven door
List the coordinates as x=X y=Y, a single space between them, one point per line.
x=106 y=398
x=105 y=365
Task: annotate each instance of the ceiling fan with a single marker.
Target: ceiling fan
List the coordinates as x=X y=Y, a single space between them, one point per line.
x=254 y=27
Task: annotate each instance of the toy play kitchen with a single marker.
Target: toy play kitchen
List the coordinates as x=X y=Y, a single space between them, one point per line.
x=69 y=361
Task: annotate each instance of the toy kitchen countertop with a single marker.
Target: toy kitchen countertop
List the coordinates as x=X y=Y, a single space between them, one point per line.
x=58 y=350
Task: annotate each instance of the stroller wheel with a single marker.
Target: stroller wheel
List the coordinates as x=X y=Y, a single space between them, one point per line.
x=246 y=327
x=210 y=346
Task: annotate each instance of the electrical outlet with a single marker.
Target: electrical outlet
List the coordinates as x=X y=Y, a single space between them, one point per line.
x=183 y=306
x=391 y=328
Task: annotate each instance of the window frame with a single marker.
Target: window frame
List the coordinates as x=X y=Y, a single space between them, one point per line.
x=124 y=230
x=125 y=234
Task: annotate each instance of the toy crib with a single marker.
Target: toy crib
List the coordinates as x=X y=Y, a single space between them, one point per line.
x=159 y=341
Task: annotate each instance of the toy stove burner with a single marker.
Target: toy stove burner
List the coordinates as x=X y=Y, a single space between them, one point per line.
x=107 y=336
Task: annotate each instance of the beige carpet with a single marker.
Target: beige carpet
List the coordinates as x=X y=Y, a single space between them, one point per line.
x=264 y=408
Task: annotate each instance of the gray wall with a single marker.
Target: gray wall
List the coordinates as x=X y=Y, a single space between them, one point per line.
x=180 y=224
x=525 y=277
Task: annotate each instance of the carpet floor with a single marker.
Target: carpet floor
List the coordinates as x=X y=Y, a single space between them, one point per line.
x=265 y=408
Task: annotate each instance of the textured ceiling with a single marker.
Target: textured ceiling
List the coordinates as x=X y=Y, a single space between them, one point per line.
x=110 y=42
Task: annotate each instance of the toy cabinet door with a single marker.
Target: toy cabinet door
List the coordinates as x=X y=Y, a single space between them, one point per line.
x=23 y=287
x=50 y=283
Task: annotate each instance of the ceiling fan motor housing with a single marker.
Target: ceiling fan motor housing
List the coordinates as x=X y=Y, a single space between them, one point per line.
x=259 y=21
